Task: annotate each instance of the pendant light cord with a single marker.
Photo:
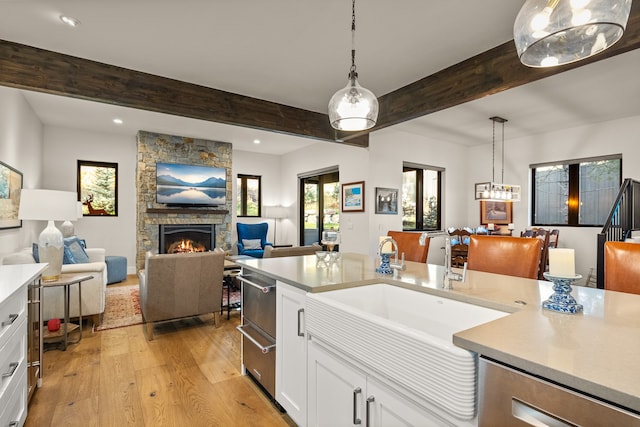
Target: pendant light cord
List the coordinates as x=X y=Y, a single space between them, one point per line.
x=495 y=119
x=502 y=178
x=353 y=40
x=493 y=153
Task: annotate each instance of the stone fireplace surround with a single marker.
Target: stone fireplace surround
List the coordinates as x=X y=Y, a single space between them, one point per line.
x=154 y=147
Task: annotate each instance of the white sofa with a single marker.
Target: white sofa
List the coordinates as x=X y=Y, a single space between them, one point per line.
x=93 y=290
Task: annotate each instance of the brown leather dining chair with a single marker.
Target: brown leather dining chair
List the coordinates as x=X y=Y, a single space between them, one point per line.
x=511 y=256
x=622 y=267
x=409 y=243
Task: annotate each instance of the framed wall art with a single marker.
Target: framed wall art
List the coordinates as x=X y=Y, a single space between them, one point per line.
x=353 y=197
x=386 y=201
x=98 y=188
x=496 y=212
x=10 y=188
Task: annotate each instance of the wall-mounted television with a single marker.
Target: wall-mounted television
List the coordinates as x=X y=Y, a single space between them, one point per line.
x=190 y=185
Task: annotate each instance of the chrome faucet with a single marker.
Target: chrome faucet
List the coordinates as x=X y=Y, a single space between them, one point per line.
x=449 y=274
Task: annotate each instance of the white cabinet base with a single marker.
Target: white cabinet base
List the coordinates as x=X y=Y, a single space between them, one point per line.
x=342 y=394
x=291 y=357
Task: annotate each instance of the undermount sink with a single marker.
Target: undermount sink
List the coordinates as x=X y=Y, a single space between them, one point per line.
x=406 y=336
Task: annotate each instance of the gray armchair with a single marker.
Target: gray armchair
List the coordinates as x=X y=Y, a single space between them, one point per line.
x=180 y=285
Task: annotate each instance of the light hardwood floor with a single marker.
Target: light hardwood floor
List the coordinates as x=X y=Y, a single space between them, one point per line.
x=189 y=375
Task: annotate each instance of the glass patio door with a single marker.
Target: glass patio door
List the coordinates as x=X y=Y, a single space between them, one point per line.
x=320 y=203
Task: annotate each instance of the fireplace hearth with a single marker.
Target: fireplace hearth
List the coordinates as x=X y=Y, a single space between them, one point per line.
x=184 y=238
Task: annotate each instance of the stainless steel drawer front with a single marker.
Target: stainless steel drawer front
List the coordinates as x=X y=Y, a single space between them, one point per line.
x=259 y=304
x=511 y=398
x=260 y=364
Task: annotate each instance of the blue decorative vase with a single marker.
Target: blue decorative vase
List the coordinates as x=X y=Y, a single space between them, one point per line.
x=385 y=267
x=561 y=299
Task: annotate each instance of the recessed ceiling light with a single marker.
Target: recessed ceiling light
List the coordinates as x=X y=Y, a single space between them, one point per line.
x=118 y=121
x=256 y=141
x=72 y=22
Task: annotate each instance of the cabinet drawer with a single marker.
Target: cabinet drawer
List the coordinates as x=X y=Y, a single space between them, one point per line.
x=259 y=364
x=14 y=408
x=12 y=311
x=13 y=361
x=513 y=398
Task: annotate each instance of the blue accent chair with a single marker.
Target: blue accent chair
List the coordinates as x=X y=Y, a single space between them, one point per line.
x=252 y=232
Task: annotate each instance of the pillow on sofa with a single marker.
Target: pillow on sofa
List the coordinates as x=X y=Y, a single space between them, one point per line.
x=252 y=243
x=35 y=253
x=74 y=252
x=67 y=256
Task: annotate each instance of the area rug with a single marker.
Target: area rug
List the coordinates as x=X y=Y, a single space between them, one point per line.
x=122 y=307
x=235 y=298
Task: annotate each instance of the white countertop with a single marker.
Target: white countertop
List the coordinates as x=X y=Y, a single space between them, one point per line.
x=14 y=276
x=597 y=352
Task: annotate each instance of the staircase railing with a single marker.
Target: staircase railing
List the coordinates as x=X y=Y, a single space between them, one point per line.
x=622 y=220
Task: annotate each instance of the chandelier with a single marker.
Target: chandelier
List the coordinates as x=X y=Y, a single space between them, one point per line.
x=497 y=191
x=353 y=107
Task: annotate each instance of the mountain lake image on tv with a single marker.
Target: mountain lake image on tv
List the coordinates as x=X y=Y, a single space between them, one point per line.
x=190 y=185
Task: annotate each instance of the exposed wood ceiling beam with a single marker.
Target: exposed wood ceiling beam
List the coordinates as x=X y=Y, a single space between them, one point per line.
x=27 y=67
x=490 y=72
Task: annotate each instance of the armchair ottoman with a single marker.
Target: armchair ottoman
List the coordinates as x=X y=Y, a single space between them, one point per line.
x=116 y=268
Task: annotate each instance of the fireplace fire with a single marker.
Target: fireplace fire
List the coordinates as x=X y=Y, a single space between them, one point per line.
x=185 y=238
x=185 y=246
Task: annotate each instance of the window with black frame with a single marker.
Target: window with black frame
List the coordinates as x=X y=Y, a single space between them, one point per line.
x=421 y=197
x=97 y=186
x=249 y=190
x=575 y=192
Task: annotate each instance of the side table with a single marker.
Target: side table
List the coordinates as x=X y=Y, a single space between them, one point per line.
x=66 y=280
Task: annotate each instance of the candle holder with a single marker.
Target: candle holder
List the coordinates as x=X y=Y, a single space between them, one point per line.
x=385 y=263
x=561 y=299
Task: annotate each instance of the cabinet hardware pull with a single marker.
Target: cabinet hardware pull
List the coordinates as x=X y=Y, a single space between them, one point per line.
x=262 y=348
x=535 y=416
x=12 y=318
x=12 y=368
x=356 y=392
x=14 y=424
x=370 y=400
x=301 y=311
x=264 y=289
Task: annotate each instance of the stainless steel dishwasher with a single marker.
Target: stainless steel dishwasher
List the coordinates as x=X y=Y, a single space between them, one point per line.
x=258 y=328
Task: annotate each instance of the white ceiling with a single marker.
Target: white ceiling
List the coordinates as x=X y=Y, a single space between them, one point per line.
x=297 y=52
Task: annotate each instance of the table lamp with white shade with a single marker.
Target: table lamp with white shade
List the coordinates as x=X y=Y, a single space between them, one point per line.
x=49 y=205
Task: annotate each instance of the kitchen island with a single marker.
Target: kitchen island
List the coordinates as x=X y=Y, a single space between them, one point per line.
x=595 y=352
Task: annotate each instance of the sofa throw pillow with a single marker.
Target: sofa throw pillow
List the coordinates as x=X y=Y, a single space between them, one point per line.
x=67 y=256
x=252 y=243
x=76 y=251
x=35 y=253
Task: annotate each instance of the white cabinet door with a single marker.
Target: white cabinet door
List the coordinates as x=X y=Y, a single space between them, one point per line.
x=291 y=357
x=388 y=408
x=336 y=390
x=341 y=394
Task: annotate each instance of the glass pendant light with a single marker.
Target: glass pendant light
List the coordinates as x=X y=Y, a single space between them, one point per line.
x=556 y=32
x=353 y=107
